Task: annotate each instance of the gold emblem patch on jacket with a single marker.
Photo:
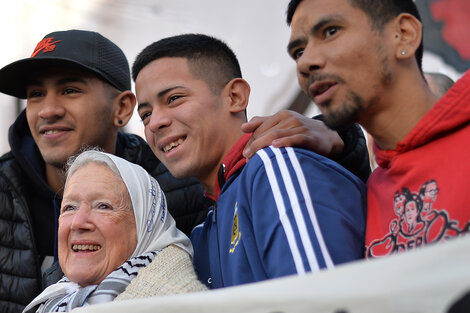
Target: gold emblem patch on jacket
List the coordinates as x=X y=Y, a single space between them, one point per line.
x=236 y=234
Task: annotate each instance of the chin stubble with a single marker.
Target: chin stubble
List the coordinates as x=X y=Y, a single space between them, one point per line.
x=347 y=114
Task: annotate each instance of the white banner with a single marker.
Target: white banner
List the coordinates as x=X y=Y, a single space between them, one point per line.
x=429 y=279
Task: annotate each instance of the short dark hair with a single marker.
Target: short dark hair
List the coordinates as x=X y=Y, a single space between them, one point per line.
x=110 y=91
x=209 y=58
x=379 y=13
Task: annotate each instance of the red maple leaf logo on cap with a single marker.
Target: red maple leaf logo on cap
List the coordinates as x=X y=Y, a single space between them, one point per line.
x=455 y=15
x=45 y=45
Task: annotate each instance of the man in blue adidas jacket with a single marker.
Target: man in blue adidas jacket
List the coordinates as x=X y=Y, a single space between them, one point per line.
x=286 y=211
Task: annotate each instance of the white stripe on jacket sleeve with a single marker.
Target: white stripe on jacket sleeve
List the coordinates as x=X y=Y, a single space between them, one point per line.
x=296 y=207
x=308 y=200
x=299 y=266
x=299 y=218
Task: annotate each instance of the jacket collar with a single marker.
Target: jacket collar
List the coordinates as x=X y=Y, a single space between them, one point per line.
x=231 y=164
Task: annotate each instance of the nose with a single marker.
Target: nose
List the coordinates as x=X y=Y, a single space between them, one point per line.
x=82 y=220
x=158 y=120
x=51 y=108
x=311 y=60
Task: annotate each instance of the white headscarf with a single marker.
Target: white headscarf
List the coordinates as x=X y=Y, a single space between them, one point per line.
x=156 y=229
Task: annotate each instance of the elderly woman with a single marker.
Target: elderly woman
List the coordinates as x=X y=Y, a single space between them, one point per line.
x=113 y=227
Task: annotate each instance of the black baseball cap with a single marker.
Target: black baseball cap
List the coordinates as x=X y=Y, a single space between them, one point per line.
x=72 y=48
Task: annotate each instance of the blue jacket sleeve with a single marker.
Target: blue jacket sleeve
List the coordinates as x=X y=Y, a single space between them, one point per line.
x=308 y=213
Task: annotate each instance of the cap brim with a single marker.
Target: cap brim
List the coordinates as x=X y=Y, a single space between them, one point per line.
x=15 y=77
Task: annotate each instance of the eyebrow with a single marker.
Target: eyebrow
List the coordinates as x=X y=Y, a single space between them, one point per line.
x=159 y=95
x=324 y=21
x=295 y=43
x=315 y=29
x=143 y=105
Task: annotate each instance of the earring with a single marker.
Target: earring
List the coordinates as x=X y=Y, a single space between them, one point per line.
x=403 y=52
x=120 y=122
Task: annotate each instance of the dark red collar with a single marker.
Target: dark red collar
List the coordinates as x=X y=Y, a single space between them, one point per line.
x=231 y=164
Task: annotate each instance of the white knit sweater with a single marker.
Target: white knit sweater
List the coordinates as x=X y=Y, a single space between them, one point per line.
x=171 y=272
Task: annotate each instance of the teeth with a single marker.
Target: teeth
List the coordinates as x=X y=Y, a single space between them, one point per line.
x=50 y=132
x=172 y=145
x=85 y=247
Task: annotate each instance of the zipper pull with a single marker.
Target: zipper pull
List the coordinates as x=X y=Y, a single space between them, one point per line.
x=221 y=175
x=214 y=215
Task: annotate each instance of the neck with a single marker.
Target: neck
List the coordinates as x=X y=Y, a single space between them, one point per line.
x=399 y=111
x=207 y=180
x=210 y=178
x=55 y=178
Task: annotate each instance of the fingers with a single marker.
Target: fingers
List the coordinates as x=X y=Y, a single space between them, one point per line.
x=260 y=127
x=299 y=140
x=323 y=145
x=291 y=129
x=253 y=124
x=265 y=139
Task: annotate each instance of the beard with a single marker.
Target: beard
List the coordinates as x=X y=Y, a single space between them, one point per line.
x=347 y=114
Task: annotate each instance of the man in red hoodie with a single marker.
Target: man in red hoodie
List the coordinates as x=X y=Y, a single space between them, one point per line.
x=360 y=61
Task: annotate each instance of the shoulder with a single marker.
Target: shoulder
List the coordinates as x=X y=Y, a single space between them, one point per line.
x=10 y=169
x=131 y=140
x=7 y=159
x=298 y=167
x=292 y=153
x=171 y=272
x=132 y=145
x=281 y=161
x=15 y=186
x=134 y=149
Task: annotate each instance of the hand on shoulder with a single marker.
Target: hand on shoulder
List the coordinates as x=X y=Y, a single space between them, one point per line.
x=291 y=129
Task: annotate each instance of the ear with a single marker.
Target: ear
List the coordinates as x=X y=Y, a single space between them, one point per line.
x=124 y=107
x=408 y=36
x=237 y=91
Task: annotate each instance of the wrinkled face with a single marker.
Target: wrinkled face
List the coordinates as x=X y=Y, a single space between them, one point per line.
x=411 y=213
x=342 y=63
x=183 y=118
x=97 y=229
x=66 y=110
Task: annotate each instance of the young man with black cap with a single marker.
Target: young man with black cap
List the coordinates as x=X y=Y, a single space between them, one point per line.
x=77 y=86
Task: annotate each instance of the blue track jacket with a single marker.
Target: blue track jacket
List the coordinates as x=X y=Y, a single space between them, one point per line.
x=287 y=211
